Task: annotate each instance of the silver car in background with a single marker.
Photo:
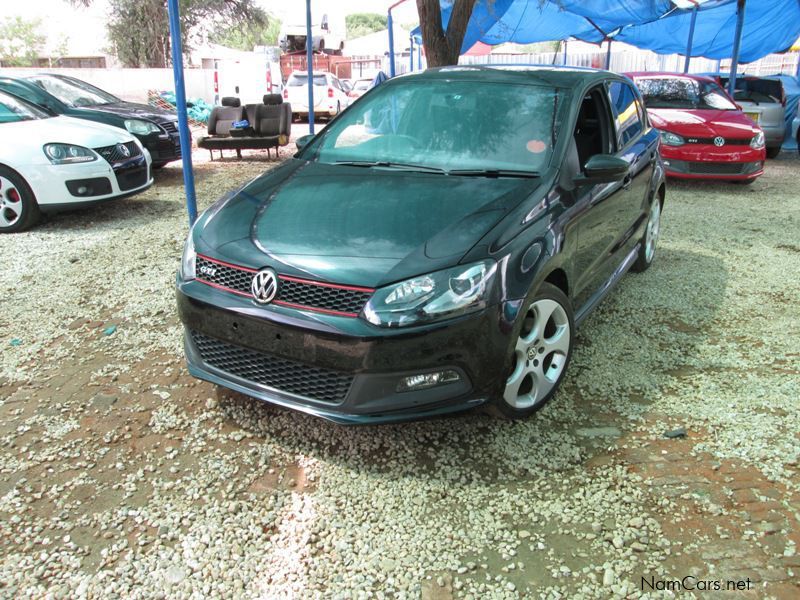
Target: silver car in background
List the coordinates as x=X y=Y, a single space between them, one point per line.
x=763 y=100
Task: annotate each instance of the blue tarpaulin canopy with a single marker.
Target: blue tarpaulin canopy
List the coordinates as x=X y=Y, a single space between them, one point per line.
x=659 y=25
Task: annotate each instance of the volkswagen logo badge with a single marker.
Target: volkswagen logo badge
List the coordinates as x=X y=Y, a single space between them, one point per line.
x=719 y=140
x=264 y=286
x=123 y=149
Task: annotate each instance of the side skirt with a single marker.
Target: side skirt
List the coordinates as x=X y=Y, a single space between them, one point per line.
x=598 y=296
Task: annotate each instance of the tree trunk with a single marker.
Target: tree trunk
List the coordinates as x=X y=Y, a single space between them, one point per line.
x=443 y=47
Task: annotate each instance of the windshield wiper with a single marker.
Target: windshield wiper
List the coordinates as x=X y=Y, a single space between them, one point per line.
x=390 y=165
x=494 y=173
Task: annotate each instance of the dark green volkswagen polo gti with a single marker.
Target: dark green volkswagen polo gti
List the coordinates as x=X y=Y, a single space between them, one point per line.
x=432 y=249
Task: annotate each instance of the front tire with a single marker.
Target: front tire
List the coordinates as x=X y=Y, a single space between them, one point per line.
x=18 y=207
x=647 y=246
x=773 y=152
x=540 y=356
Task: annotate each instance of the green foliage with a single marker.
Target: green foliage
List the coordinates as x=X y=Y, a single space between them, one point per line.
x=139 y=29
x=248 y=36
x=360 y=24
x=21 y=42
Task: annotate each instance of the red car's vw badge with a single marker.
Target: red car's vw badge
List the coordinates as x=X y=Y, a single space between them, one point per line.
x=719 y=140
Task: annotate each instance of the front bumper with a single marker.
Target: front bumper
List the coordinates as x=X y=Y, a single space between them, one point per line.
x=702 y=161
x=774 y=135
x=163 y=148
x=60 y=187
x=339 y=368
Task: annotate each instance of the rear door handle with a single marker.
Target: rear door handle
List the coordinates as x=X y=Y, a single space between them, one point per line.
x=626 y=183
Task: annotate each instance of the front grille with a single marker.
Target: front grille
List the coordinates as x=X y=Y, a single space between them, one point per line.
x=274 y=372
x=728 y=141
x=339 y=299
x=721 y=168
x=235 y=279
x=113 y=154
x=312 y=295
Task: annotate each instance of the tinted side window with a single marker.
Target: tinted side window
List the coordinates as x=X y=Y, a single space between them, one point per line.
x=627 y=112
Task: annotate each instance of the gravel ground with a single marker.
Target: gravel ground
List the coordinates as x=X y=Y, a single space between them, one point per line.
x=121 y=476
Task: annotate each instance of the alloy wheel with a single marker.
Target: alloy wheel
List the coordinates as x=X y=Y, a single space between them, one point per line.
x=10 y=203
x=540 y=354
x=653 y=226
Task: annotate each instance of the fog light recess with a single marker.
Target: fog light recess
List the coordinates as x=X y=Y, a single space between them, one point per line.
x=427 y=380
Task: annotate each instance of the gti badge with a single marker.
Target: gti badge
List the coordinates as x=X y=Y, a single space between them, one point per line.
x=719 y=140
x=207 y=270
x=123 y=149
x=264 y=286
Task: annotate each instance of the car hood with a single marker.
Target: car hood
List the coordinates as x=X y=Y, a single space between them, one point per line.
x=358 y=226
x=703 y=123
x=132 y=110
x=65 y=130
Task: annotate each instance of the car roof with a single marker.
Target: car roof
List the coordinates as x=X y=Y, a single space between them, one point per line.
x=18 y=80
x=667 y=74
x=557 y=76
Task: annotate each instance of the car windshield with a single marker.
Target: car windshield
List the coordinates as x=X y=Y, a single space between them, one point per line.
x=299 y=80
x=455 y=125
x=683 y=92
x=13 y=110
x=73 y=92
x=362 y=84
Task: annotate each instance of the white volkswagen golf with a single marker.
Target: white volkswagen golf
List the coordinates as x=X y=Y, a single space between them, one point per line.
x=50 y=163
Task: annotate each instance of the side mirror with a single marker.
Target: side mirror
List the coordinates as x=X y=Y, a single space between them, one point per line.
x=603 y=168
x=302 y=141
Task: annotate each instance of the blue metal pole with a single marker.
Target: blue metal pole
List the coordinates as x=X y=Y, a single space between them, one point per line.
x=391 y=43
x=565 y=52
x=180 y=102
x=411 y=54
x=310 y=65
x=691 y=40
x=737 y=41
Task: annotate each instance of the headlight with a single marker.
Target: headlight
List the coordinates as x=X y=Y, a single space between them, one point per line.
x=757 y=141
x=189 y=258
x=67 y=154
x=671 y=139
x=140 y=127
x=431 y=297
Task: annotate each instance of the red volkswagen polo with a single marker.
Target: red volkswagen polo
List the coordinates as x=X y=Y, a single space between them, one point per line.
x=704 y=134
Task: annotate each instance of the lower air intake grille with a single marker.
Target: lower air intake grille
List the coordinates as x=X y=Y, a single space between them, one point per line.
x=278 y=373
x=722 y=168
